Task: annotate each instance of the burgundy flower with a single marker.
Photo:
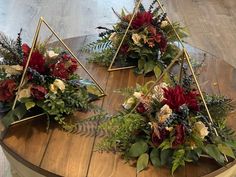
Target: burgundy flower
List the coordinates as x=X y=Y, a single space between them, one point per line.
x=141 y=19
x=38 y=92
x=71 y=63
x=163 y=44
x=175 y=97
x=124 y=49
x=159 y=135
x=179 y=136
x=36 y=62
x=141 y=108
x=59 y=70
x=7 y=88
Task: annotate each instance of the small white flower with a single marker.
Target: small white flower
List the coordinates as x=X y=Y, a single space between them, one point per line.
x=164 y=113
x=201 y=129
x=129 y=103
x=164 y=24
x=52 y=54
x=136 y=38
x=138 y=95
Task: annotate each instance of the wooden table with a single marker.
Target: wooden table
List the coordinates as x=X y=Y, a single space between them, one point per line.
x=33 y=151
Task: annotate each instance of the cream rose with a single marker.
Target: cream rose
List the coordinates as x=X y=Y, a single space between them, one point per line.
x=136 y=38
x=57 y=84
x=158 y=92
x=24 y=93
x=113 y=37
x=201 y=129
x=164 y=113
x=164 y=24
x=12 y=69
x=129 y=103
x=138 y=95
x=52 y=54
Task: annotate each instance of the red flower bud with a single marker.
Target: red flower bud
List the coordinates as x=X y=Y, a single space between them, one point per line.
x=7 y=88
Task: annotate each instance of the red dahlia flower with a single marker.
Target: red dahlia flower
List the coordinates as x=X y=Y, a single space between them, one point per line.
x=36 y=62
x=179 y=136
x=141 y=19
x=7 y=88
x=64 y=67
x=175 y=97
x=38 y=92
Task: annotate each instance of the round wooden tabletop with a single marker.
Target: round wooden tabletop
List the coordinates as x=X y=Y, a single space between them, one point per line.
x=58 y=153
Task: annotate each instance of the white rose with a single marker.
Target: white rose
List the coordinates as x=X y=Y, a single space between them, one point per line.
x=52 y=54
x=129 y=103
x=113 y=37
x=24 y=93
x=136 y=38
x=201 y=129
x=158 y=92
x=164 y=113
x=138 y=95
x=164 y=24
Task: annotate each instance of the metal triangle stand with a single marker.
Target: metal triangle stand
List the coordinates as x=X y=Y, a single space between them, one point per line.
x=35 y=39
x=122 y=41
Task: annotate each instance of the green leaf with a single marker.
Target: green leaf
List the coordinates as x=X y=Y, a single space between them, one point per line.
x=178 y=157
x=226 y=150
x=165 y=155
x=213 y=151
x=8 y=119
x=141 y=63
x=155 y=157
x=157 y=71
x=142 y=162
x=149 y=66
x=20 y=111
x=137 y=149
x=29 y=105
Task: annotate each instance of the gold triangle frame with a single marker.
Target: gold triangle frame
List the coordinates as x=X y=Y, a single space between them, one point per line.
x=182 y=56
x=35 y=39
x=122 y=41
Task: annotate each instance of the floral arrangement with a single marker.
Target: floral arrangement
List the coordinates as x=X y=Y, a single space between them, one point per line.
x=169 y=126
x=51 y=85
x=150 y=43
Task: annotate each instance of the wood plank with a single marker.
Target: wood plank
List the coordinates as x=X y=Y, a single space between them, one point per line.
x=112 y=165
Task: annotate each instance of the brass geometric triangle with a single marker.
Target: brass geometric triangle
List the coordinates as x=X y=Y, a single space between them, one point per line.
x=138 y=3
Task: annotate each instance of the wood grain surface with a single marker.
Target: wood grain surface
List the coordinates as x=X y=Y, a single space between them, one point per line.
x=75 y=155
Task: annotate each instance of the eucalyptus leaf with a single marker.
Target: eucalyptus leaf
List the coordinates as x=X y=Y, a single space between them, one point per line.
x=157 y=71
x=155 y=157
x=137 y=149
x=142 y=162
x=213 y=151
x=149 y=66
x=226 y=150
x=29 y=105
x=165 y=155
